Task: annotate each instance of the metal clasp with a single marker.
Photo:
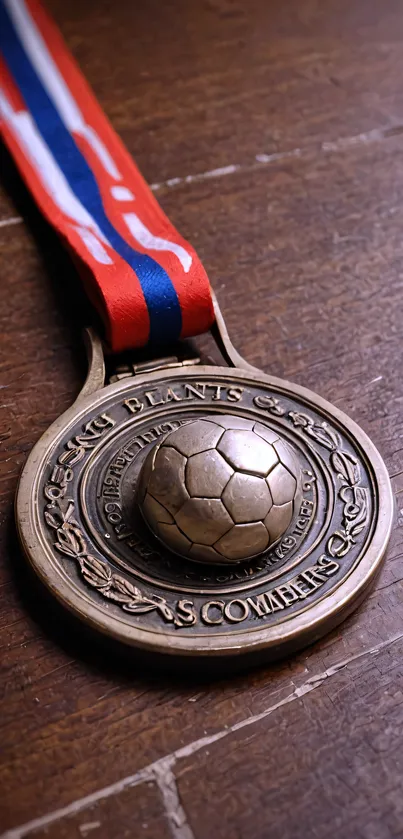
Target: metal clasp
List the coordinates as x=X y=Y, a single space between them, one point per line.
x=96 y=360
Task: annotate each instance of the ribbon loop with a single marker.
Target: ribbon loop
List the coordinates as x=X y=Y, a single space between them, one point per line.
x=146 y=281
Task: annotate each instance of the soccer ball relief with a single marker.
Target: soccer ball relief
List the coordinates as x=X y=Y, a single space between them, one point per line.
x=220 y=489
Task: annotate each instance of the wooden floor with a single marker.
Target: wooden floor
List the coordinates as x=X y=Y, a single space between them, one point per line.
x=273 y=136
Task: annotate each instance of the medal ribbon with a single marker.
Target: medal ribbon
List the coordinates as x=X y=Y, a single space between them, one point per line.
x=146 y=281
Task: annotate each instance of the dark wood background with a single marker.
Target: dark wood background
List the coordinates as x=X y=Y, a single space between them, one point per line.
x=303 y=240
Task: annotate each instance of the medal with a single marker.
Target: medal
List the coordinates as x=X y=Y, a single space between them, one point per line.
x=177 y=506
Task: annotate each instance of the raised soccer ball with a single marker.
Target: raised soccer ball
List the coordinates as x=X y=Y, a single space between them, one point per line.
x=220 y=489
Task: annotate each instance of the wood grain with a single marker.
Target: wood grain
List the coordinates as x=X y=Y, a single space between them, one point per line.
x=326 y=766
x=138 y=811
x=305 y=252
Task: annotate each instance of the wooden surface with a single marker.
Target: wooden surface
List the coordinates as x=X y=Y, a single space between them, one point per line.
x=303 y=240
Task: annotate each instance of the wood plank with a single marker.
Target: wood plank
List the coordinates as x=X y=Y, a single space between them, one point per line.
x=325 y=765
x=305 y=254
x=137 y=811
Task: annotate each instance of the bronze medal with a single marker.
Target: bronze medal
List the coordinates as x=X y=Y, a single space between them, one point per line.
x=202 y=510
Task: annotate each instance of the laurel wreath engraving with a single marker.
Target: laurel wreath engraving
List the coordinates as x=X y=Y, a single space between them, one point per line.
x=70 y=540
x=353 y=495
x=97 y=573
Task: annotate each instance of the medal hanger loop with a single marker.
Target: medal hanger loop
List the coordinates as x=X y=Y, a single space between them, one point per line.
x=220 y=334
x=95 y=379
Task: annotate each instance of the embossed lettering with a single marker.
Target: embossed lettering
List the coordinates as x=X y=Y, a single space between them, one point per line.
x=235 y=394
x=287 y=594
x=212 y=605
x=259 y=604
x=93 y=430
x=186 y=613
x=306 y=507
x=154 y=398
x=285 y=546
x=236 y=611
x=270 y=404
x=309 y=577
x=298 y=586
x=329 y=566
x=133 y=405
x=171 y=396
x=273 y=601
x=198 y=390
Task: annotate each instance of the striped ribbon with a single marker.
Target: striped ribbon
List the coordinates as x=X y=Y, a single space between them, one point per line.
x=146 y=281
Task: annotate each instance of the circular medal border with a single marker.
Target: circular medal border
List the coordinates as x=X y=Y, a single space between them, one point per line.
x=292 y=633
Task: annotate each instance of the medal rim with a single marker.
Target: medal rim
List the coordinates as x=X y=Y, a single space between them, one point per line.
x=292 y=632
